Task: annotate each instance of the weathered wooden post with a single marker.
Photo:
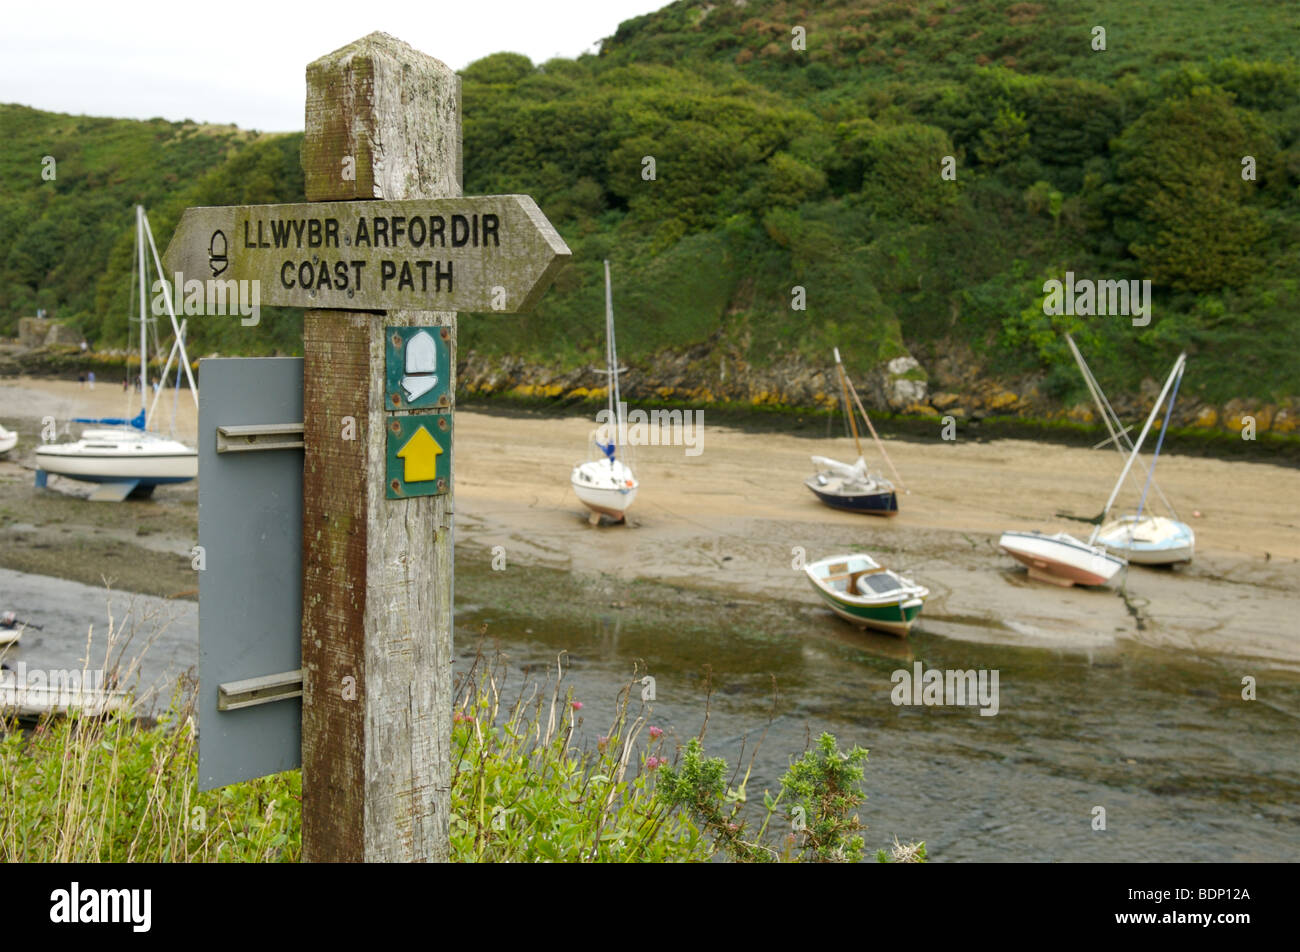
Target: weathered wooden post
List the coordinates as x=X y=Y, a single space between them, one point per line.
x=383 y=122
x=385 y=237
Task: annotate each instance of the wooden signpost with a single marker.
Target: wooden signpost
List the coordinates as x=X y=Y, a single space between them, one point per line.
x=382 y=144
x=489 y=253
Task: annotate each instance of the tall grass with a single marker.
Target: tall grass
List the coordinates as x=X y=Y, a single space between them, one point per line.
x=112 y=788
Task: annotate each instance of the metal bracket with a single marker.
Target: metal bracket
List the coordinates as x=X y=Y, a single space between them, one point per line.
x=261 y=436
x=233 y=695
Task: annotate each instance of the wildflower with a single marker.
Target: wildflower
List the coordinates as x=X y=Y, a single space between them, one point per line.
x=577 y=705
x=602 y=742
x=460 y=717
x=656 y=733
x=654 y=763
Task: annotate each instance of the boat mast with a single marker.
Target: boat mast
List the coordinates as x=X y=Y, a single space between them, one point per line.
x=611 y=353
x=848 y=407
x=171 y=311
x=1178 y=366
x=1160 y=441
x=1114 y=426
x=144 y=291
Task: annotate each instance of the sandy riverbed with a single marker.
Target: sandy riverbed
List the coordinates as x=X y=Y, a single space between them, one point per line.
x=734 y=517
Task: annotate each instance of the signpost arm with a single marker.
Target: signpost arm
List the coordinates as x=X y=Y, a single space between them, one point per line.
x=382 y=122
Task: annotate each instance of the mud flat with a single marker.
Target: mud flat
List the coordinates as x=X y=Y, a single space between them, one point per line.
x=736 y=519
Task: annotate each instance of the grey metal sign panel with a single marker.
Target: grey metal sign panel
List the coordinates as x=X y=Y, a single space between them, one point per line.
x=250 y=589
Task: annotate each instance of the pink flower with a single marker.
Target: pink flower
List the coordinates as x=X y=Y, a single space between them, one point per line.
x=656 y=733
x=460 y=717
x=654 y=763
x=577 y=705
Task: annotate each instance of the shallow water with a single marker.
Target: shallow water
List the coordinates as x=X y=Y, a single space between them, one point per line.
x=1185 y=769
x=1183 y=766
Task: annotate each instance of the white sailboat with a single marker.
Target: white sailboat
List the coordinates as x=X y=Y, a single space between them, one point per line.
x=121 y=454
x=604 y=483
x=1145 y=538
x=8 y=440
x=1142 y=538
x=1065 y=560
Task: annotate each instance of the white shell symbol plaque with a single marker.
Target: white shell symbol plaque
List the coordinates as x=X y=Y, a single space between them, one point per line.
x=421 y=364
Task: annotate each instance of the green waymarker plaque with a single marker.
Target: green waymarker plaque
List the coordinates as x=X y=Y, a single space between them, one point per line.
x=417 y=367
x=419 y=455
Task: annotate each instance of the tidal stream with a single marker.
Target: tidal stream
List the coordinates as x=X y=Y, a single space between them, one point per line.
x=1184 y=767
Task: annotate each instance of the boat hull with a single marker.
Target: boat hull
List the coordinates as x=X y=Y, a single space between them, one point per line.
x=894 y=613
x=1060 y=560
x=881 y=503
x=1151 y=540
x=896 y=619
x=608 y=502
x=147 y=468
x=604 y=488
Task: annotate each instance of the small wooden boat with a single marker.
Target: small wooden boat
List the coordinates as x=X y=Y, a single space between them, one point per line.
x=860 y=590
x=850 y=486
x=1061 y=559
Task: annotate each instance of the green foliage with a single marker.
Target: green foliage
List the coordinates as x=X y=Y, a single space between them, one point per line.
x=775 y=167
x=821 y=790
x=1180 y=167
x=522 y=792
x=825 y=784
x=109 y=790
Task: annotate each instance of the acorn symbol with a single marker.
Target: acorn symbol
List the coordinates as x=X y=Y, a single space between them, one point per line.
x=217 y=253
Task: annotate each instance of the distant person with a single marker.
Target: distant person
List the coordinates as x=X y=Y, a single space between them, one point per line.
x=84 y=346
x=90 y=379
x=81 y=380
x=126 y=383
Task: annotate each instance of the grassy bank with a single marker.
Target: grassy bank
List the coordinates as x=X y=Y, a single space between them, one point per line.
x=110 y=789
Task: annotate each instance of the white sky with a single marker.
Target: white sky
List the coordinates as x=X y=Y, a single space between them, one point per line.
x=225 y=61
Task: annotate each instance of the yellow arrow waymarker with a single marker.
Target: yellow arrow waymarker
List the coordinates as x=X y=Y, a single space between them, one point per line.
x=420 y=454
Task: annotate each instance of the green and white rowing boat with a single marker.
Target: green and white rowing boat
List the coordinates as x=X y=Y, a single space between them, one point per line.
x=862 y=591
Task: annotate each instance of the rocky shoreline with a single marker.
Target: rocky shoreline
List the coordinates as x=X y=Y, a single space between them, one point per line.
x=702 y=376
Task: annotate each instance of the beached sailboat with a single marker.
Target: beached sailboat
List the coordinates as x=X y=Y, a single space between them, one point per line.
x=1142 y=538
x=851 y=486
x=605 y=483
x=8 y=440
x=1061 y=558
x=121 y=454
x=1065 y=560
x=860 y=590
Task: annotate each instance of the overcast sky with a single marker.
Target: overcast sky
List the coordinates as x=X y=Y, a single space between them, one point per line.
x=225 y=61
